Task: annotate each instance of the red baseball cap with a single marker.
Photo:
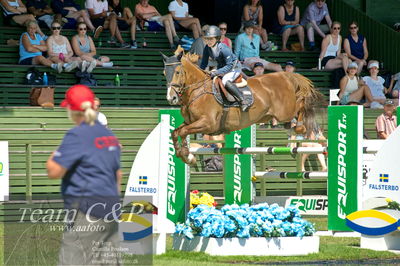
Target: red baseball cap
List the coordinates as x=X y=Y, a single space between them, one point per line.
x=76 y=95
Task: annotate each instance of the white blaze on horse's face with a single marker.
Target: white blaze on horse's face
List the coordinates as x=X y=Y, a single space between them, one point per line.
x=172 y=97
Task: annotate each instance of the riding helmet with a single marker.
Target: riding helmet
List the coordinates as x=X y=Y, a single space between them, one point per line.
x=212 y=31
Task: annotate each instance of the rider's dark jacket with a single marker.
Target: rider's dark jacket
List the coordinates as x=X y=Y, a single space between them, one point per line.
x=227 y=61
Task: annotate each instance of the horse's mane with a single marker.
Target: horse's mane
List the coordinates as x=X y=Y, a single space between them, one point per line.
x=189 y=64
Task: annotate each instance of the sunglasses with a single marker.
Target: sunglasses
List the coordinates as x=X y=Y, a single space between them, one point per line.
x=353 y=28
x=252 y=45
x=56 y=28
x=82 y=28
x=222 y=28
x=335 y=28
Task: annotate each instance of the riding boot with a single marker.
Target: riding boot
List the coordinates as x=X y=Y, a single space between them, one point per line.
x=234 y=90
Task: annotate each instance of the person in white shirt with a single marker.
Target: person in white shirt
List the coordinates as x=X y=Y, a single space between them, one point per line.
x=180 y=13
x=376 y=85
x=100 y=116
x=99 y=15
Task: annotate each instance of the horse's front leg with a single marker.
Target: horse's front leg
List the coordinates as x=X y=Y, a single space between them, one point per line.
x=200 y=126
x=175 y=140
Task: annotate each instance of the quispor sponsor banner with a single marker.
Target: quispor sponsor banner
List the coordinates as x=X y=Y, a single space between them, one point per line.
x=4 y=171
x=177 y=185
x=309 y=205
x=238 y=167
x=345 y=138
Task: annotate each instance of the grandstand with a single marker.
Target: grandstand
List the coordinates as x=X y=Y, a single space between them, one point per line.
x=33 y=133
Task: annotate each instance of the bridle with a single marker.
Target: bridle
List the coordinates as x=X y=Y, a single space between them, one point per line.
x=182 y=89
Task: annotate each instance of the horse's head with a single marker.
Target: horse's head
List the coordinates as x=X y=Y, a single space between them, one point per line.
x=170 y=66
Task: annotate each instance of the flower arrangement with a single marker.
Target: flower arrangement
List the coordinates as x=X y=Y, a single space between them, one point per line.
x=201 y=198
x=261 y=220
x=393 y=204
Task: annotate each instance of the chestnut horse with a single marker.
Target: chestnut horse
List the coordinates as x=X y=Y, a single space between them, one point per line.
x=280 y=95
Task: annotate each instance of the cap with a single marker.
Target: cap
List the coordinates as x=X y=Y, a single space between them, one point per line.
x=389 y=102
x=76 y=95
x=258 y=64
x=290 y=63
x=352 y=65
x=373 y=64
x=248 y=24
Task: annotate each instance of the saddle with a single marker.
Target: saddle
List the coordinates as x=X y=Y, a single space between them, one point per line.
x=224 y=98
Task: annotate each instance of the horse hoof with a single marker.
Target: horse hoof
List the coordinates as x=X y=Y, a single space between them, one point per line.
x=191 y=159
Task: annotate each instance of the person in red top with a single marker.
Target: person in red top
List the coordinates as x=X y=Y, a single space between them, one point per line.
x=223 y=27
x=146 y=12
x=386 y=123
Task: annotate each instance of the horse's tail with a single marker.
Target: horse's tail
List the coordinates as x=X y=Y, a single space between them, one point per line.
x=307 y=97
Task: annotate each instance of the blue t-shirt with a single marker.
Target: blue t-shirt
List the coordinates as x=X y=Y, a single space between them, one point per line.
x=244 y=47
x=92 y=156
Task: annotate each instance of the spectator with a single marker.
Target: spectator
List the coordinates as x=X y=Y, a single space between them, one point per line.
x=31 y=47
x=394 y=86
x=352 y=89
x=396 y=26
x=331 y=56
x=289 y=19
x=15 y=13
x=228 y=66
x=43 y=12
x=253 y=13
x=258 y=69
x=100 y=116
x=83 y=47
x=355 y=45
x=312 y=18
x=223 y=27
x=146 y=12
x=386 y=123
x=180 y=13
x=247 y=49
x=290 y=66
x=125 y=19
x=88 y=163
x=59 y=49
x=314 y=132
x=72 y=11
x=98 y=11
x=375 y=84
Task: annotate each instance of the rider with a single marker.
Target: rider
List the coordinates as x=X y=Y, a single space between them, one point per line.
x=228 y=64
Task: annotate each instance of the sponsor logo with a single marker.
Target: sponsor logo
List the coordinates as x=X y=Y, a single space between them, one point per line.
x=148 y=190
x=237 y=170
x=106 y=142
x=139 y=232
x=310 y=204
x=171 y=188
x=372 y=222
x=384 y=178
x=342 y=170
x=142 y=180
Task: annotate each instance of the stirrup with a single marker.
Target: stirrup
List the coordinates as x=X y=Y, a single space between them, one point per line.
x=244 y=105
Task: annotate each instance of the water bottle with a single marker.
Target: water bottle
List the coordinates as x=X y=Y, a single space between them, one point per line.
x=45 y=79
x=144 y=43
x=61 y=57
x=117 y=81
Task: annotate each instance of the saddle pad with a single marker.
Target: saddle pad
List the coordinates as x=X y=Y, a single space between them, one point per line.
x=230 y=101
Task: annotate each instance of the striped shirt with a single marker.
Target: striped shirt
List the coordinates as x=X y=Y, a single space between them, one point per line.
x=385 y=124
